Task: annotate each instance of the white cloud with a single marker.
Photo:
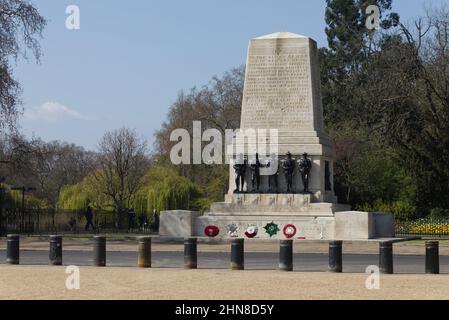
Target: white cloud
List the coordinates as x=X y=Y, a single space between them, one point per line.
x=53 y=112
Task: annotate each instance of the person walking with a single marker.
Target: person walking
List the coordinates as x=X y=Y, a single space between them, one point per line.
x=155 y=221
x=143 y=221
x=89 y=217
x=131 y=219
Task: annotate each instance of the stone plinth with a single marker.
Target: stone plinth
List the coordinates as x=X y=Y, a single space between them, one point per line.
x=308 y=227
x=313 y=220
x=177 y=223
x=363 y=225
x=349 y=225
x=320 y=222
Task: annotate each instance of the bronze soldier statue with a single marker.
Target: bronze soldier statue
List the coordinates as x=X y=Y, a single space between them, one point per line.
x=255 y=173
x=273 y=178
x=240 y=171
x=288 y=165
x=305 y=166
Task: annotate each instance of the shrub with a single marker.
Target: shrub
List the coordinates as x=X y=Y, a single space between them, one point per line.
x=402 y=209
x=437 y=213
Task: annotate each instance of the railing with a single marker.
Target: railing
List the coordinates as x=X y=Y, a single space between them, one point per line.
x=429 y=227
x=38 y=221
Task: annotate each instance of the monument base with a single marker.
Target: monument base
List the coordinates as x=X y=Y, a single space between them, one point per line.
x=313 y=221
x=307 y=227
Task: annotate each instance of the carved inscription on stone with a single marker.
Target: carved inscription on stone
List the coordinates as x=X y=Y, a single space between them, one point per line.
x=278 y=89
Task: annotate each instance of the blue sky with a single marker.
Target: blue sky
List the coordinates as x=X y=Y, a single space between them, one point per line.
x=129 y=60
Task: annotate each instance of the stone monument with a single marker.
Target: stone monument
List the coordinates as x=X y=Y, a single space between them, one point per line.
x=282 y=91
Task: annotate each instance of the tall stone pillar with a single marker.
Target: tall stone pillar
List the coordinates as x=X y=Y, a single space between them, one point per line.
x=282 y=91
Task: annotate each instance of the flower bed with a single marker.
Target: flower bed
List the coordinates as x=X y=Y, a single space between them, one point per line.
x=428 y=227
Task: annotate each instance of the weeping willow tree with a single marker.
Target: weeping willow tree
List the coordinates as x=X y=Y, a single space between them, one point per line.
x=78 y=196
x=164 y=189
x=214 y=190
x=12 y=199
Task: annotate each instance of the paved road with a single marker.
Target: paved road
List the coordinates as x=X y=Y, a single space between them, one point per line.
x=216 y=260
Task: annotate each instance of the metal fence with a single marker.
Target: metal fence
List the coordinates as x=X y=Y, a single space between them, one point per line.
x=429 y=227
x=38 y=221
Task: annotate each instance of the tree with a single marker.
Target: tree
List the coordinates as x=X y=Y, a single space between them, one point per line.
x=45 y=166
x=397 y=95
x=58 y=164
x=348 y=37
x=420 y=130
x=402 y=98
x=351 y=99
x=367 y=171
x=163 y=189
x=77 y=197
x=21 y=26
x=122 y=163
x=217 y=106
x=350 y=45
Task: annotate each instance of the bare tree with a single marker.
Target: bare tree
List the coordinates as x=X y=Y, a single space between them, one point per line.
x=122 y=163
x=56 y=164
x=425 y=137
x=45 y=166
x=217 y=105
x=402 y=95
x=21 y=25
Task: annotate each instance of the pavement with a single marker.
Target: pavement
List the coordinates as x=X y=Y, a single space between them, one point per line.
x=261 y=279
x=304 y=262
x=44 y=282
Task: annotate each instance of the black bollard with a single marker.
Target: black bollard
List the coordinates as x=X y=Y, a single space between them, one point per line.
x=237 y=254
x=335 y=256
x=386 y=257
x=13 y=249
x=432 y=257
x=190 y=253
x=144 y=258
x=55 y=250
x=99 y=251
x=286 y=255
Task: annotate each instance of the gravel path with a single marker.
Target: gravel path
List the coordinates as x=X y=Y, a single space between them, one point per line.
x=30 y=282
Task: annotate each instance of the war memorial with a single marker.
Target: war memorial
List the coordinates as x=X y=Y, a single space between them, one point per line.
x=248 y=199
x=296 y=199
